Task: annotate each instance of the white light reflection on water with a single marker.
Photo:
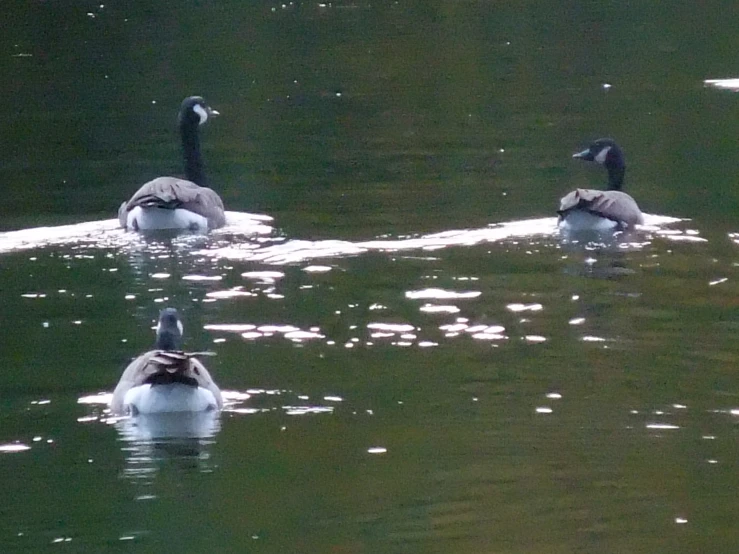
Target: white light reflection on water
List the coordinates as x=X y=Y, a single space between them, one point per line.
x=391 y=327
x=12 y=448
x=230 y=327
x=478 y=332
x=101 y=398
x=285 y=401
x=434 y=309
x=517 y=307
x=294 y=251
x=107 y=233
x=253 y=331
x=228 y=294
x=201 y=277
x=727 y=84
x=317 y=269
x=662 y=426
x=264 y=277
x=440 y=294
x=263 y=246
x=303 y=410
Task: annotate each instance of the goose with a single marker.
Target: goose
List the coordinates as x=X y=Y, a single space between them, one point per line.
x=601 y=210
x=172 y=203
x=166 y=379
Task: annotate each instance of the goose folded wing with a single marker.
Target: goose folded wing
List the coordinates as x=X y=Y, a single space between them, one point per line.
x=134 y=375
x=154 y=362
x=611 y=204
x=202 y=376
x=172 y=193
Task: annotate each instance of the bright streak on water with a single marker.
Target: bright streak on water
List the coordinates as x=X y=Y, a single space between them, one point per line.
x=13 y=448
x=727 y=84
x=259 y=242
x=103 y=398
x=264 y=277
x=230 y=327
x=433 y=309
x=107 y=233
x=662 y=426
x=235 y=396
x=392 y=327
x=489 y=336
x=525 y=307
x=440 y=294
x=202 y=278
x=303 y=410
x=225 y=294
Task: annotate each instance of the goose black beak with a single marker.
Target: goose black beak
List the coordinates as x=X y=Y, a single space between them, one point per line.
x=212 y=112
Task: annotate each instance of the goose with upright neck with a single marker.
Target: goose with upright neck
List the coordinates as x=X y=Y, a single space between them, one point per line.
x=166 y=379
x=172 y=203
x=601 y=210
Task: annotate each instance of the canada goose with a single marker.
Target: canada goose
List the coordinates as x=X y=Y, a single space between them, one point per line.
x=171 y=203
x=601 y=210
x=166 y=379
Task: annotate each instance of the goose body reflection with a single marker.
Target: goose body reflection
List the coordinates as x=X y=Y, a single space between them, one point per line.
x=166 y=379
x=170 y=425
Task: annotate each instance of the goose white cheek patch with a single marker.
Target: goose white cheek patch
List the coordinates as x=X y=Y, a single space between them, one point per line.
x=179 y=326
x=601 y=157
x=202 y=113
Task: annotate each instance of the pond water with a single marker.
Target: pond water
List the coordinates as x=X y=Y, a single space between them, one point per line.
x=413 y=359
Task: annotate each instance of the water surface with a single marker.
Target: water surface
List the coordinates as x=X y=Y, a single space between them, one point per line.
x=413 y=359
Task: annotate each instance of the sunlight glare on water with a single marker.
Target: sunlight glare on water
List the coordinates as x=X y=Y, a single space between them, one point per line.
x=413 y=358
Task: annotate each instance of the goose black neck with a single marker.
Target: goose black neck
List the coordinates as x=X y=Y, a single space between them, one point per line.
x=169 y=340
x=616 y=177
x=191 y=152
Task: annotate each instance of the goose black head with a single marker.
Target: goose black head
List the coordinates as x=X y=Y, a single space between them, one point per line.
x=169 y=330
x=607 y=153
x=194 y=111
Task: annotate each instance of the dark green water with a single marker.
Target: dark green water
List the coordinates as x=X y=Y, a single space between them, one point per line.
x=403 y=373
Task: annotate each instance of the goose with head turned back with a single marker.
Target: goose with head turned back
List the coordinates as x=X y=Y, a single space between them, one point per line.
x=171 y=203
x=601 y=210
x=166 y=379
